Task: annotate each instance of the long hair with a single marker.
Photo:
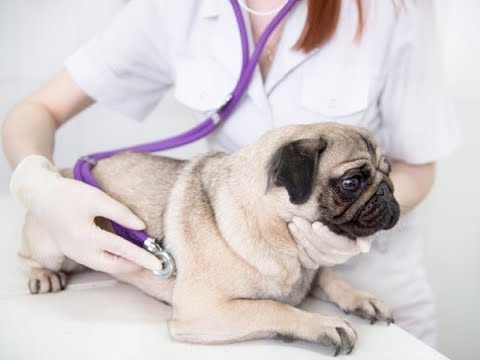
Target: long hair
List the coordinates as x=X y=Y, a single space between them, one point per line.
x=322 y=21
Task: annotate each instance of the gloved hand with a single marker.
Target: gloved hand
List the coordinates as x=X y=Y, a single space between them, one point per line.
x=67 y=209
x=319 y=246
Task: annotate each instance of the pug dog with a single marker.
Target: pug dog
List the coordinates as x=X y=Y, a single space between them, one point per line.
x=224 y=218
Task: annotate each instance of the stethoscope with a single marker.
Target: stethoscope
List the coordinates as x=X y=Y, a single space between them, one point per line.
x=83 y=167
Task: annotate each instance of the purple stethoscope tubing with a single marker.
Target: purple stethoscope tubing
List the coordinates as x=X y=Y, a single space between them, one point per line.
x=83 y=167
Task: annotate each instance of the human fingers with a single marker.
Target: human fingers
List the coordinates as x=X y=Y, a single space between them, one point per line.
x=323 y=240
x=301 y=231
x=307 y=249
x=112 y=209
x=364 y=244
x=306 y=260
x=113 y=264
x=118 y=246
x=332 y=242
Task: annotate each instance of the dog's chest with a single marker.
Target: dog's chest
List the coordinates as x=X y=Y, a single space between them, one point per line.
x=290 y=287
x=272 y=262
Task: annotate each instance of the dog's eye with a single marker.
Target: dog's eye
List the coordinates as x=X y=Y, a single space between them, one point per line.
x=351 y=184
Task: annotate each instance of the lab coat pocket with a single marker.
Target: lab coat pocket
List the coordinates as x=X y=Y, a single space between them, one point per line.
x=201 y=85
x=335 y=91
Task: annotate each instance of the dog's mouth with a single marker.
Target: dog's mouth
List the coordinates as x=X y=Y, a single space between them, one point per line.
x=381 y=212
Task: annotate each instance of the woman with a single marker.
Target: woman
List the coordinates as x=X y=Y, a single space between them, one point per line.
x=367 y=63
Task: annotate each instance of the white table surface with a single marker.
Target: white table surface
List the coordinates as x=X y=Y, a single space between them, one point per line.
x=98 y=318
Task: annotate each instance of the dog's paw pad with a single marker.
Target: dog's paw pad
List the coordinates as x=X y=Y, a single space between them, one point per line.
x=43 y=281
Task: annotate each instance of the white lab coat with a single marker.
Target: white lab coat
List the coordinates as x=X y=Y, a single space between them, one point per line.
x=386 y=83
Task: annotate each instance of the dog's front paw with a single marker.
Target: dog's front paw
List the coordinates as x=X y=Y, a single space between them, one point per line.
x=337 y=333
x=366 y=306
x=43 y=281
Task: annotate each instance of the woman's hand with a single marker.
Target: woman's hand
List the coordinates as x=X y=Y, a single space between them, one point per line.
x=67 y=209
x=319 y=246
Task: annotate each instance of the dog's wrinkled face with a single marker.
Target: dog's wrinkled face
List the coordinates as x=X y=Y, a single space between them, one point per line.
x=345 y=174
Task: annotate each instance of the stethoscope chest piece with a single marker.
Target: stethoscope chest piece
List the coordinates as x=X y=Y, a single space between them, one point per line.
x=168 y=264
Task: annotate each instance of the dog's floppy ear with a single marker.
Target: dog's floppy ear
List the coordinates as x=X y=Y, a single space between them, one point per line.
x=294 y=166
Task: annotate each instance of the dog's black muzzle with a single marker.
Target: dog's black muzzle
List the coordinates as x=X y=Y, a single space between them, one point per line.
x=381 y=212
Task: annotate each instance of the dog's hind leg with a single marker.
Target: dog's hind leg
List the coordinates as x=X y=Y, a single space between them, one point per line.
x=330 y=288
x=45 y=264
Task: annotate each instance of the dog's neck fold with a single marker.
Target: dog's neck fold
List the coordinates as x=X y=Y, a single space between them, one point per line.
x=247 y=220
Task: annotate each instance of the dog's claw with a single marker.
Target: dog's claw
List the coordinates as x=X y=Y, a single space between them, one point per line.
x=371 y=309
x=44 y=281
x=337 y=350
x=34 y=286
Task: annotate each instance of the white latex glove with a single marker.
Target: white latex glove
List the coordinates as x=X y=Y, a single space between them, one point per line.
x=67 y=209
x=319 y=246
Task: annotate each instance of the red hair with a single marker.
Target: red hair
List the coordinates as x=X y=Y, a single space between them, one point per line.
x=322 y=21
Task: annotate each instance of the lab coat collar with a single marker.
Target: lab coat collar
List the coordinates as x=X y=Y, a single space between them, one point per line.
x=225 y=46
x=286 y=58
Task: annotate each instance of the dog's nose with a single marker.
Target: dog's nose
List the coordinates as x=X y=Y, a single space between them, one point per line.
x=384 y=191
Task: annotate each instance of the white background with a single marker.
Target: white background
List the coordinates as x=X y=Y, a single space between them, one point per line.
x=36 y=36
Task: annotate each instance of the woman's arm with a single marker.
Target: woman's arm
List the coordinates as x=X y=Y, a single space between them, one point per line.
x=412 y=183
x=30 y=126
x=66 y=208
